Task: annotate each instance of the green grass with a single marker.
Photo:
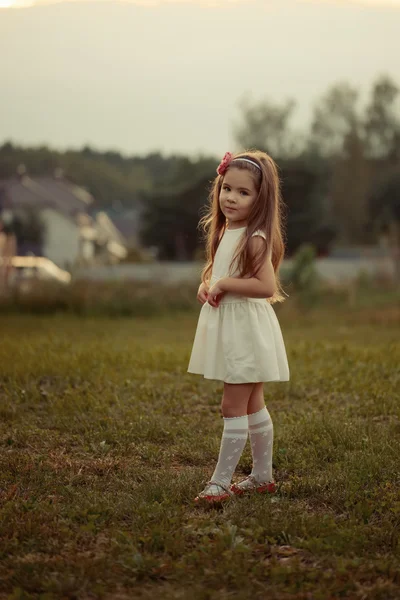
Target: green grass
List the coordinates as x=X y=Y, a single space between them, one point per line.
x=105 y=440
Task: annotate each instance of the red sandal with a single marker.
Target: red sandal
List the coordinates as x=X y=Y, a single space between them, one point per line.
x=207 y=495
x=252 y=485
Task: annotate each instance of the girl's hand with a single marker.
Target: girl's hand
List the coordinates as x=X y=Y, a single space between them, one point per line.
x=215 y=294
x=202 y=294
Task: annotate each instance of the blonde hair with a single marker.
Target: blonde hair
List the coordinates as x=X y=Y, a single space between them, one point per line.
x=266 y=214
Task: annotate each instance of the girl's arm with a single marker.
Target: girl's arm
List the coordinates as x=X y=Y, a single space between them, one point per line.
x=263 y=285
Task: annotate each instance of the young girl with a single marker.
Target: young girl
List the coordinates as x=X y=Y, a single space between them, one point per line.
x=238 y=338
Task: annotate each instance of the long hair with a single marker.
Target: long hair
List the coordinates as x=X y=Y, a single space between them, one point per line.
x=266 y=215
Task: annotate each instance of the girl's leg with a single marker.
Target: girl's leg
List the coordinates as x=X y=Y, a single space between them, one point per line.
x=236 y=398
x=256 y=400
x=261 y=437
x=234 y=404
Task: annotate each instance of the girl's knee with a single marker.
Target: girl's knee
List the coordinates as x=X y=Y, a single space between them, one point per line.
x=231 y=412
x=226 y=406
x=235 y=399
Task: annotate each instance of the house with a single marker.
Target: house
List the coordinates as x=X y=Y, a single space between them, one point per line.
x=128 y=224
x=51 y=217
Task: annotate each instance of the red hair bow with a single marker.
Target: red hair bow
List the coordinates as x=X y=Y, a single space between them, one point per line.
x=224 y=164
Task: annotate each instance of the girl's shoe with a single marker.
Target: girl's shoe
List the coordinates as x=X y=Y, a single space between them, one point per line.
x=214 y=492
x=251 y=484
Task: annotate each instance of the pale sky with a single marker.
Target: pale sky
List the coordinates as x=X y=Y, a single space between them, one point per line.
x=140 y=76
x=24 y=3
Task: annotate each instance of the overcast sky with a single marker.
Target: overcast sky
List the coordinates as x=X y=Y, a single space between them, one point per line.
x=169 y=75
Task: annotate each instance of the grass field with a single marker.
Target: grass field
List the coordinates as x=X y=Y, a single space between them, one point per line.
x=105 y=440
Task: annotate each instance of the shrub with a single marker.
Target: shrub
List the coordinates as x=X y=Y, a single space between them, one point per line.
x=88 y=298
x=303 y=276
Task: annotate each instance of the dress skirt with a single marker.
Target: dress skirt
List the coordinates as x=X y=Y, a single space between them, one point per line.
x=239 y=342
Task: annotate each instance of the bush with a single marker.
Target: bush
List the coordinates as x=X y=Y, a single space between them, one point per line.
x=146 y=299
x=303 y=276
x=88 y=298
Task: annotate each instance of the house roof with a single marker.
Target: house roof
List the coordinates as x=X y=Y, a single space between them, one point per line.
x=14 y=192
x=43 y=192
x=66 y=193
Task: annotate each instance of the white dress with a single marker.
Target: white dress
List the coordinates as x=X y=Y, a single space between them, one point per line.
x=241 y=340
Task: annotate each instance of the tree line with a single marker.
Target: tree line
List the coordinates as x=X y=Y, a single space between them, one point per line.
x=340 y=178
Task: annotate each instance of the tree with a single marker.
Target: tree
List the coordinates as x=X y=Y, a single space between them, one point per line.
x=171 y=213
x=385 y=212
x=382 y=120
x=104 y=181
x=385 y=197
x=306 y=219
x=265 y=126
x=349 y=190
x=38 y=161
x=335 y=116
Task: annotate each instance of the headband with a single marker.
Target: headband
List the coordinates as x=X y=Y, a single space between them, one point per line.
x=252 y=162
x=227 y=160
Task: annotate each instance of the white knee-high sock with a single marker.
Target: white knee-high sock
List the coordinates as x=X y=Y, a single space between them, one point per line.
x=261 y=432
x=233 y=441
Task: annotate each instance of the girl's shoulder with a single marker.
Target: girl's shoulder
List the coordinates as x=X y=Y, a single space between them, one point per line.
x=259 y=233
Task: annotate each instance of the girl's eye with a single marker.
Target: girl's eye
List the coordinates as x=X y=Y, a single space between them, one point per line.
x=226 y=188
x=245 y=193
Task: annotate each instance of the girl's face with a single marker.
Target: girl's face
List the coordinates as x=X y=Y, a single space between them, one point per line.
x=237 y=196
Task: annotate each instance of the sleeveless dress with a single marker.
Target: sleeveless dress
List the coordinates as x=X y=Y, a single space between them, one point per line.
x=241 y=340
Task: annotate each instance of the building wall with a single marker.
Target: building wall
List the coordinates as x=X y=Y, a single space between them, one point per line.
x=62 y=239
